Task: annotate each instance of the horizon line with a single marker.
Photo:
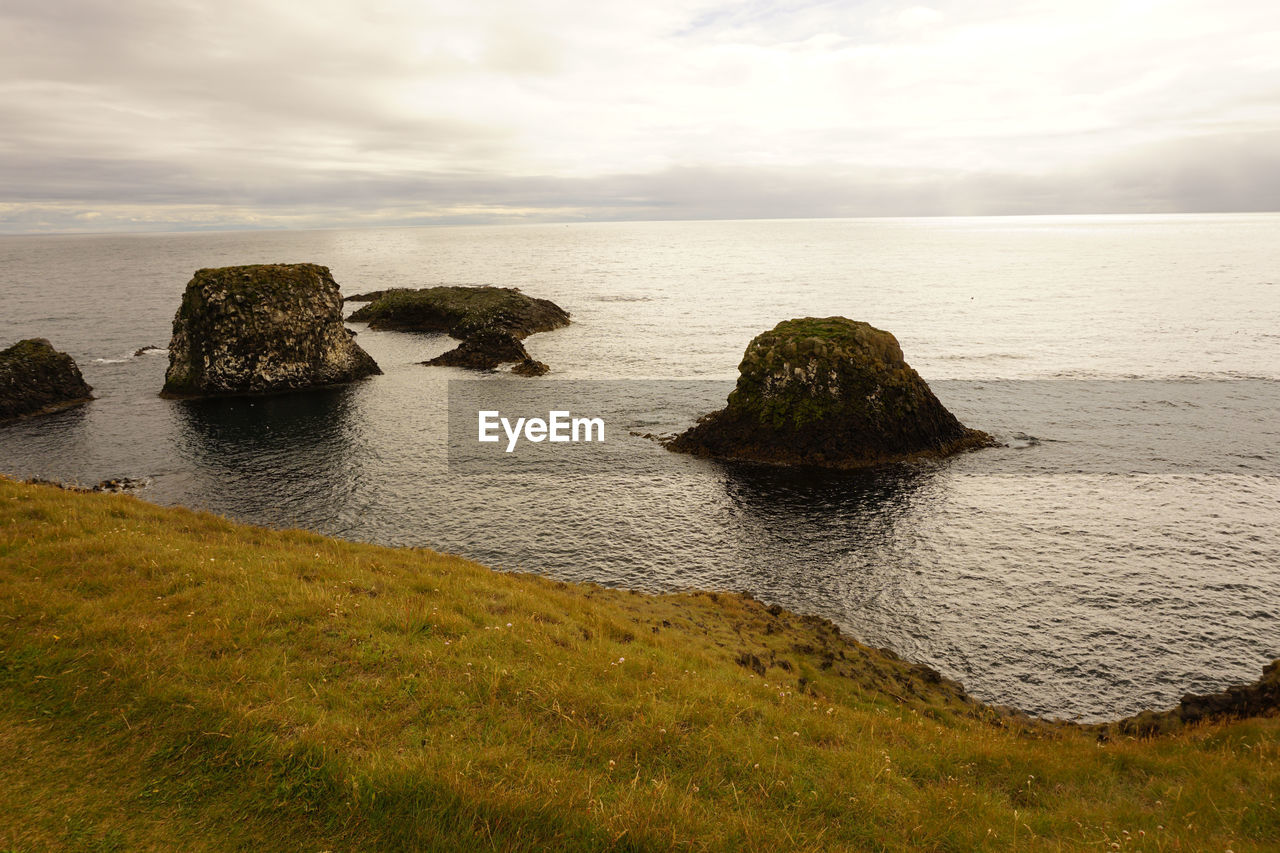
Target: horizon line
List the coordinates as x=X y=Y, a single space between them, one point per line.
x=499 y=222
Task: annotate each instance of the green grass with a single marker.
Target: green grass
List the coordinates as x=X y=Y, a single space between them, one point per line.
x=170 y=680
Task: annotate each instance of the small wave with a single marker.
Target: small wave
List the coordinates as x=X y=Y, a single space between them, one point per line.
x=622 y=297
x=1236 y=376
x=1021 y=439
x=1207 y=376
x=138 y=353
x=988 y=356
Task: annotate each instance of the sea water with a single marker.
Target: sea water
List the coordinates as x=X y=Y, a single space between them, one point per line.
x=1121 y=549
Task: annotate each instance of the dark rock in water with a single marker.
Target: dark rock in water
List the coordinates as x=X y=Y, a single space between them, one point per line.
x=462 y=311
x=531 y=367
x=261 y=329
x=832 y=393
x=36 y=379
x=147 y=349
x=116 y=485
x=490 y=321
x=119 y=485
x=484 y=350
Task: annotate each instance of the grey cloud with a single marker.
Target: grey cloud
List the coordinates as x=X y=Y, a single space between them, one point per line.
x=1227 y=173
x=154 y=114
x=87 y=76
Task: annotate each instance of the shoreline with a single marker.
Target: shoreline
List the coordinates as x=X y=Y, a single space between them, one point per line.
x=1236 y=701
x=170 y=679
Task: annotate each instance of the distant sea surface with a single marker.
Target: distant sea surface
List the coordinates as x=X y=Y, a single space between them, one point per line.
x=1122 y=550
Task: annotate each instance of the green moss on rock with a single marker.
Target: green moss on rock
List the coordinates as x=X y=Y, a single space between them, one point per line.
x=36 y=379
x=828 y=392
x=261 y=329
x=490 y=321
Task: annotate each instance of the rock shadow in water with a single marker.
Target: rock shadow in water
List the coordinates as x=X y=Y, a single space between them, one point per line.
x=831 y=519
x=290 y=460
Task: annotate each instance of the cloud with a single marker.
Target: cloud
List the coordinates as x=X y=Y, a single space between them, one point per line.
x=1225 y=173
x=155 y=114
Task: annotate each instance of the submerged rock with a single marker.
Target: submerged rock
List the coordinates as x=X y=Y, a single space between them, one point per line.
x=833 y=393
x=36 y=379
x=262 y=329
x=115 y=485
x=462 y=311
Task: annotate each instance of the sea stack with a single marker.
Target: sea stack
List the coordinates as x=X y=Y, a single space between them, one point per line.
x=830 y=393
x=261 y=329
x=36 y=379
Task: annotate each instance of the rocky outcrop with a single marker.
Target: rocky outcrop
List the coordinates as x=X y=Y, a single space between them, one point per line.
x=832 y=393
x=461 y=311
x=487 y=349
x=531 y=367
x=490 y=322
x=372 y=295
x=1239 y=701
x=262 y=329
x=36 y=379
x=115 y=485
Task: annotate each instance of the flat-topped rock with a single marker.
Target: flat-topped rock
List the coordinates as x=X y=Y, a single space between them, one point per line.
x=490 y=322
x=461 y=311
x=832 y=393
x=262 y=329
x=36 y=379
x=372 y=295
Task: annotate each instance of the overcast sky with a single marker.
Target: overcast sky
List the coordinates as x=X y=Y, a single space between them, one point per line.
x=175 y=114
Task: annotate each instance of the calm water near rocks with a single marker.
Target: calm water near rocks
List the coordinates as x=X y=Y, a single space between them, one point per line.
x=1122 y=550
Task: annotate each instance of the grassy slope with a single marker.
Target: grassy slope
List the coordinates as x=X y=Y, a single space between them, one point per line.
x=170 y=679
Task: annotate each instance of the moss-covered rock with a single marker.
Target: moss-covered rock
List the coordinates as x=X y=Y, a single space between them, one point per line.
x=490 y=322
x=833 y=393
x=461 y=311
x=484 y=350
x=36 y=379
x=262 y=329
x=372 y=295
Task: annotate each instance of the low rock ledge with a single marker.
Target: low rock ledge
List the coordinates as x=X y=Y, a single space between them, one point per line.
x=36 y=379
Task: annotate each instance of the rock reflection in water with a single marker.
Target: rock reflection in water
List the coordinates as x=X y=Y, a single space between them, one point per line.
x=837 y=530
x=289 y=460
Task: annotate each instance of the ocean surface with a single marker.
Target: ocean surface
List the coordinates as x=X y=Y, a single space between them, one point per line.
x=1122 y=549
